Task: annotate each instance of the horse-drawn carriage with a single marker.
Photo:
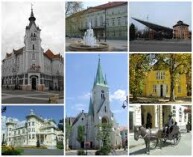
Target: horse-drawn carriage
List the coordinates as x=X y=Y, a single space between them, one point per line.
x=158 y=136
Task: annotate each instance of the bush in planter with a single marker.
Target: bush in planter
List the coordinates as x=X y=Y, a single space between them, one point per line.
x=81 y=152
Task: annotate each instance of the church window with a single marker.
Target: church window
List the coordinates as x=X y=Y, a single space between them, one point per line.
x=34 y=35
x=105 y=109
x=82 y=119
x=102 y=94
x=33 y=47
x=33 y=56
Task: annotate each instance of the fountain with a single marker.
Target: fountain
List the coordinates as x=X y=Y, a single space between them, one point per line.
x=88 y=43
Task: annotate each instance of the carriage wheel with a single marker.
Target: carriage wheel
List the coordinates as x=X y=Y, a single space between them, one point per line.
x=154 y=143
x=177 y=138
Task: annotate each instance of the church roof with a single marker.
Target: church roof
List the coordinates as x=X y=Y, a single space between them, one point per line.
x=154 y=26
x=91 y=109
x=19 y=51
x=99 y=79
x=78 y=117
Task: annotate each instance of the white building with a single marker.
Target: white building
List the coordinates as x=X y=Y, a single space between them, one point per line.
x=30 y=67
x=99 y=112
x=34 y=129
x=156 y=116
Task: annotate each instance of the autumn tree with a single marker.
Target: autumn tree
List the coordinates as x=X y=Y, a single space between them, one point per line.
x=139 y=65
x=177 y=64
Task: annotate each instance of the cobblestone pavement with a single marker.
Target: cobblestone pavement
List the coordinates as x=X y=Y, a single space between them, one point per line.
x=160 y=46
x=115 y=45
x=183 y=148
x=92 y=152
x=31 y=97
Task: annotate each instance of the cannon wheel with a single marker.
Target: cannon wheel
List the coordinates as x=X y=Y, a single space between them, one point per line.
x=177 y=138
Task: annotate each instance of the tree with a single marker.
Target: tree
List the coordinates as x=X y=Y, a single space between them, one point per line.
x=3 y=109
x=177 y=64
x=139 y=65
x=132 y=32
x=104 y=131
x=68 y=130
x=61 y=124
x=81 y=134
x=73 y=7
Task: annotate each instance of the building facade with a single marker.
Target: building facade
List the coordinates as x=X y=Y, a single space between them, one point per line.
x=156 y=116
x=181 y=31
x=99 y=112
x=108 y=21
x=30 y=67
x=34 y=129
x=157 y=84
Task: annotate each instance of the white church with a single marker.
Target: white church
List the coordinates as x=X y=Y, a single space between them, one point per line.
x=30 y=68
x=98 y=112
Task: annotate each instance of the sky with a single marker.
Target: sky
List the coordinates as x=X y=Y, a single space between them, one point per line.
x=92 y=4
x=80 y=73
x=162 y=13
x=49 y=17
x=47 y=112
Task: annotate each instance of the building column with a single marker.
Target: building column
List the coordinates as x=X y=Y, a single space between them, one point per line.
x=156 y=116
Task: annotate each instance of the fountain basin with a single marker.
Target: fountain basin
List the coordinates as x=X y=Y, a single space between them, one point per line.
x=79 y=46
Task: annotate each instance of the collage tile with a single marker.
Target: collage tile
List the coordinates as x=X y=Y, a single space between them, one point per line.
x=96 y=78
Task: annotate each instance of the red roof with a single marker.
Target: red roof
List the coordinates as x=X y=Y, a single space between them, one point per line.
x=110 y=5
x=51 y=55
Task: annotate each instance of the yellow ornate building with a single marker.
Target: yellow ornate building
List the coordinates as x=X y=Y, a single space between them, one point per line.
x=157 y=84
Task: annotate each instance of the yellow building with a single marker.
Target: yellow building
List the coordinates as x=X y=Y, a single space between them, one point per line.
x=157 y=84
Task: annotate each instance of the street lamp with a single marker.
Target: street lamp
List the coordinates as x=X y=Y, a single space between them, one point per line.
x=125 y=103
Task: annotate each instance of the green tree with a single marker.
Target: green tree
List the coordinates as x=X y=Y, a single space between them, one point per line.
x=104 y=131
x=68 y=130
x=139 y=64
x=132 y=32
x=81 y=134
x=177 y=64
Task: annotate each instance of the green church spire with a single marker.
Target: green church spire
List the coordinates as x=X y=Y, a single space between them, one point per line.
x=99 y=79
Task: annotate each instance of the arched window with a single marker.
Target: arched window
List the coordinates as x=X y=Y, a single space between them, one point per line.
x=102 y=94
x=33 y=47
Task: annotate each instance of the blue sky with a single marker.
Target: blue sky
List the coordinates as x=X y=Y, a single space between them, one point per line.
x=162 y=13
x=49 y=112
x=80 y=72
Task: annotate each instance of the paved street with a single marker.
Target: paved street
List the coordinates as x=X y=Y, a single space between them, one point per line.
x=31 y=97
x=183 y=148
x=154 y=100
x=161 y=46
x=92 y=152
x=115 y=45
x=42 y=151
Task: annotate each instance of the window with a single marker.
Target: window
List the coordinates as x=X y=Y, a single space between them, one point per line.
x=105 y=109
x=101 y=21
x=102 y=94
x=180 y=115
x=154 y=89
x=107 y=22
x=23 y=131
x=160 y=75
x=33 y=123
x=29 y=136
x=113 y=21
x=9 y=129
x=119 y=21
x=33 y=47
x=28 y=123
x=33 y=136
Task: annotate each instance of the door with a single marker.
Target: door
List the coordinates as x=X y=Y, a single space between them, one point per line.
x=161 y=90
x=34 y=83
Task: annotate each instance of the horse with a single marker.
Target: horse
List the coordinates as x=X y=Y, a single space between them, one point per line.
x=148 y=136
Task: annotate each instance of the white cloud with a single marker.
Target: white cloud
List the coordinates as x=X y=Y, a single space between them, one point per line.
x=85 y=96
x=119 y=95
x=79 y=107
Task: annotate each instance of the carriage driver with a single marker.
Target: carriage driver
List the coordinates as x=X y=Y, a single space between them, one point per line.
x=170 y=123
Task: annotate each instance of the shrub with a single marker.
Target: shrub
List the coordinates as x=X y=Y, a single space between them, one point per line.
x=81 y=152
x=38 y=143
x=9 y=150
x=105 y=150
x=60 y=145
